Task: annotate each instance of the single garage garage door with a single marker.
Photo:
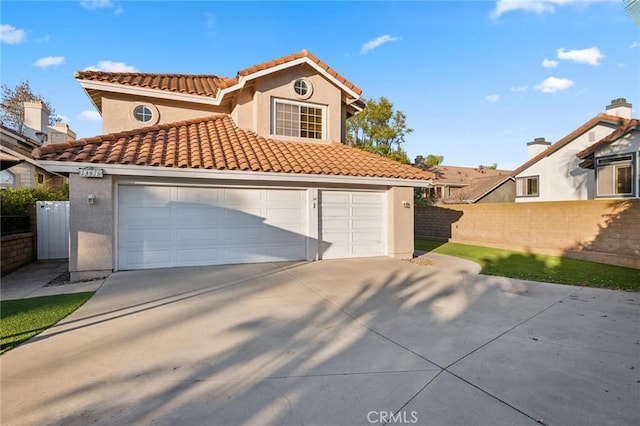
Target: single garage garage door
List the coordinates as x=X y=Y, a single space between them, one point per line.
x=352 y=224
x=162 y=226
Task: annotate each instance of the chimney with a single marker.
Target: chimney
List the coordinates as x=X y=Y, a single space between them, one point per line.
x=536 y=146
x=620 y=108
x=60 y=132
x=36 y=120
x=419 y=160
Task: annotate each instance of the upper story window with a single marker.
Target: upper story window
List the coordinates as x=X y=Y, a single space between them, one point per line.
x=143 y=113
x=527 y=186
x=298 y=119
x=614 y=176
x=302 y=88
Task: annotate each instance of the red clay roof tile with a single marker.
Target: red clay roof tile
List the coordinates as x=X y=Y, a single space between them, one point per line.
x=214 y=142
x=200 y=85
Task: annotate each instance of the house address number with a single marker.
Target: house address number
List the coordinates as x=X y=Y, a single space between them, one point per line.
x=91 y=172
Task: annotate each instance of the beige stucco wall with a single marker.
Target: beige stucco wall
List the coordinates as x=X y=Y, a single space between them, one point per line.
x=117 y=112
x=90 y=227
x=280 y=86
x=400 y=222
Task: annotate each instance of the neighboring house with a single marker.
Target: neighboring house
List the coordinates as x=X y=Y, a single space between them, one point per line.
x=553 y=172
x=18 y=167
x=615 y=160
x=453 y=184
x=207 y=170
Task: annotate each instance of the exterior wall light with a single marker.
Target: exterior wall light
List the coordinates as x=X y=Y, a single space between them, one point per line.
x=406 y=204
x=91 y=199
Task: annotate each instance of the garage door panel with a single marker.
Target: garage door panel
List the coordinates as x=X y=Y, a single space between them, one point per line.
x=330 y=197
x=199 y=196
x=244 y=234
x=199 y=237
x=152 y=196
x=145 y=217
x=368 y=211
x=198 y=216
x=197 y=256
x=366 y=198
x=351 y=224
x=138 y=259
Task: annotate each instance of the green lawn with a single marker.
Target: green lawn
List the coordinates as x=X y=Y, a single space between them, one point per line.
x=24 y=318
x=538 y=267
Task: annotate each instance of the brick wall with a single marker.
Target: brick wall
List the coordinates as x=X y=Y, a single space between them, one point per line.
x=605 y=231
x=17 y=250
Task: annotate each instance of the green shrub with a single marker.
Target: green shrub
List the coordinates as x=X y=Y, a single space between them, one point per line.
x=14 y=201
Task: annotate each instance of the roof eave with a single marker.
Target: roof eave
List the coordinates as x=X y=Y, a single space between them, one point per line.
x=213 y=174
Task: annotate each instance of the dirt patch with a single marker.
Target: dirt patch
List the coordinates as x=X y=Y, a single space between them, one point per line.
x=422 y=261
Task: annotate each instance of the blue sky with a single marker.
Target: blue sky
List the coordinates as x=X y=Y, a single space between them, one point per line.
x=476 y=79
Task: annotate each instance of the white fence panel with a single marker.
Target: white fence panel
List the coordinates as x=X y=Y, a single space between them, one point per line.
x=53 y=229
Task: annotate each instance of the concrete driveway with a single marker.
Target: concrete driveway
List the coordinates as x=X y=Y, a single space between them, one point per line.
x=349 y=342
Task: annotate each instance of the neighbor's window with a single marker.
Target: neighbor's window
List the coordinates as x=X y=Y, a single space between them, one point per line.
x=40 y=178
x=143 y=113
x=299 y=120
x=527 y=186
x=615 y=176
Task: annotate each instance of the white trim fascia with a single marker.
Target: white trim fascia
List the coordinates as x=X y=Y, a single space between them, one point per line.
x=154 y=93
x=170 y=172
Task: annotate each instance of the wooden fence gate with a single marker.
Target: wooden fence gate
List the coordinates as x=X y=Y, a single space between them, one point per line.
x=53 y=229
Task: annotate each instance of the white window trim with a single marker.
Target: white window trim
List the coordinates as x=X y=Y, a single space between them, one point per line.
x=614 y=163
x=275 y=101
x=524 y=178
x=155 y=117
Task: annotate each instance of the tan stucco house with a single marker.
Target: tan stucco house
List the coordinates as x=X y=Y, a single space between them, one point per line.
x=207 y=170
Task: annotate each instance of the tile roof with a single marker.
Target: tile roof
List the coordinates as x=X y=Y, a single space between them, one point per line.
x=570 y=137
x=216 y=143
x=201 y=85
x=455 y=175
x=479 y=187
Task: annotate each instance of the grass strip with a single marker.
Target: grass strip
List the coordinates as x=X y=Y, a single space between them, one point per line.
x=538 y=267
x=22 y=319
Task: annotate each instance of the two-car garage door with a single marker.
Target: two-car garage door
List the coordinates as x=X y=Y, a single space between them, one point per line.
x=162 y=226
x=167 y=226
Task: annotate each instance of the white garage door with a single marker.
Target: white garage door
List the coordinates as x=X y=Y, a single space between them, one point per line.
x=352 y=224
x=161 y=226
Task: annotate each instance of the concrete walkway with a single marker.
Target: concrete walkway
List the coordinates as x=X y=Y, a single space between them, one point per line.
x=31 y=281
x=344 y=342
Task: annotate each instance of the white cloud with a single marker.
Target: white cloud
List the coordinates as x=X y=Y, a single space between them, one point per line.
x=89 y=115
x=520 y=88
x=111 y=66
x=49 y=61
x=370 y=45
x=96 y=4
x=492 y=98
x=589 y=56
x=554 y=84
x=44 y=39
x=634 y=44
x=549 y=63
x=538 y=7
x=11 y=35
